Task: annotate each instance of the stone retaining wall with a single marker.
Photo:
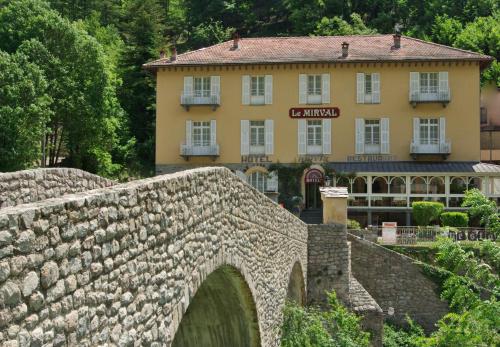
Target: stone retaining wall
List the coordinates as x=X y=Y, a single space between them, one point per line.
x=119 y=266
x=396 y=281
x=27 y=186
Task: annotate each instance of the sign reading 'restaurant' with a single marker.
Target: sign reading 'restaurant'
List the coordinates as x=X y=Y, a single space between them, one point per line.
x=314 y=112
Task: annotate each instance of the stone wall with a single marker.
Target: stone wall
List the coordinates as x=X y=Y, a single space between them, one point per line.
x=329 y=267
x=27 y=186
x=328 y=263
x=397 y=283
x=119 y=266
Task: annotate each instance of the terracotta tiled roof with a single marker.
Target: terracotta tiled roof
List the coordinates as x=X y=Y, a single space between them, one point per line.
x=362 y=48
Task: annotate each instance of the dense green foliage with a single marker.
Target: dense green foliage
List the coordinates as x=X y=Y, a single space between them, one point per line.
x=454 y=219
x=479 y=206
x=310 y=327
x=425 y=212
x=24 y=110
x=472 y=291
x=408 y=337
x=100 y=102
x=353 y=224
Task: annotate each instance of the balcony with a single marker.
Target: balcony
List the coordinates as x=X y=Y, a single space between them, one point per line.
x=188 y=151
x=188 y=100
x=443 y=149
x=442 y=97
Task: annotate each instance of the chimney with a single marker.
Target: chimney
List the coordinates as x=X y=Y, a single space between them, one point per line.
x=345 y=49
x=397 y=40
x=173 y=55
x=162 y=54
x=236 y=41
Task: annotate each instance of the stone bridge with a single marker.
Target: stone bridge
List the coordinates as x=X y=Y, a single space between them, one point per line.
x=197 y=258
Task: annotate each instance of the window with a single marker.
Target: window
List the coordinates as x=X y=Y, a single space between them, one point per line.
x=257 y=137
x=258 y=180
x=314 y=132
x=436 y=185
x=418 y=185
x=429 y=131
x=368 y=84
x=429 y=82
x=257 y=86
x=202 y=86
x=314 y=85
x=201 y=134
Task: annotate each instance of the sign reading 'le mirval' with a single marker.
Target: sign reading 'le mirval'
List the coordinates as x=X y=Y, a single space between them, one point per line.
x=314 y=112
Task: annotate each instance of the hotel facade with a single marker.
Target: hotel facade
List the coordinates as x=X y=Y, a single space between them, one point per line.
x=395 y=119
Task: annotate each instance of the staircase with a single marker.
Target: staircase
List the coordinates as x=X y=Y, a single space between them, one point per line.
x=312 y=216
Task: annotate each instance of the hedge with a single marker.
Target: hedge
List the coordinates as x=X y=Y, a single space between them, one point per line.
x=424 y=212
x=454 y=219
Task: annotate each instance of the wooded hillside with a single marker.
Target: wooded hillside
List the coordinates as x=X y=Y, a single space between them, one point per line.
x=79 y=62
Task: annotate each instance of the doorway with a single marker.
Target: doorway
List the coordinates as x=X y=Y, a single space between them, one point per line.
x=313 y=180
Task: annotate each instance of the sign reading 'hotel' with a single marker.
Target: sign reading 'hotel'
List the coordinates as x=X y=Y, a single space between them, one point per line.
x=314 y=112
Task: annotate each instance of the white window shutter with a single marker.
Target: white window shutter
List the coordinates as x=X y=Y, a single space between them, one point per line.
x=375 y=88
x=245 y=137
x=360 y=136
x=384 y=136
x=272 y=182
x=215 y=85
x=442 y=130
x=416 y=130
x=302 y=127
x=302 y=89
x=269 y=136
x=360 y=88
x=325 y=88
x=213 y=132
x=241 y=175
x=443 y=82
x=414 y=83
x=189 y=140
x=327 y=136
x=188 y=85
x=268 y=89
x=245 y=90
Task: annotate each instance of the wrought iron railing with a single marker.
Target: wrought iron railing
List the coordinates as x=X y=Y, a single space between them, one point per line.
x=191 y=150
x=438 y=148
x=193 y=99
x=440 y=96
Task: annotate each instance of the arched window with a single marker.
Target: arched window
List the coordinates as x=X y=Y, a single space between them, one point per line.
x=258 y=180
x=343 y=182
x=436 y=185
x=474 y=182
x=379 y=185
x=397 y=186
x=359 y=185
x=418 y=185
x=457 y=185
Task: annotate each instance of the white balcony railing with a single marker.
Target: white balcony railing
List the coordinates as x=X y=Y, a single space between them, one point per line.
x=188 y=100
x=419 y=97
x=199 y=151
x=443 y=148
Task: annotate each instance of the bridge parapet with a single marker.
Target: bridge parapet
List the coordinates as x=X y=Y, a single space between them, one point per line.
x=121 y=265
x=27 y=186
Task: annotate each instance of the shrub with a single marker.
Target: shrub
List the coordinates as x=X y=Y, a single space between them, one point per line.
x=454 y=219
x=353 y=224
x=424 y=212
x=311 y=327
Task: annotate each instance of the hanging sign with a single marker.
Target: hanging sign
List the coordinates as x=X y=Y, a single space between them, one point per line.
x=314 y=112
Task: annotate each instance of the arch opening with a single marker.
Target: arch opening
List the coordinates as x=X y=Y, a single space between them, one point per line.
x=221 y=314
x=296 y=288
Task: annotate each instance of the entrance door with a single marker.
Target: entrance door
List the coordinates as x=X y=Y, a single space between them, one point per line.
x=313 y=180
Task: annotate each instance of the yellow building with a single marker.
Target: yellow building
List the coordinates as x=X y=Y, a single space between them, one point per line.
x=395 y=119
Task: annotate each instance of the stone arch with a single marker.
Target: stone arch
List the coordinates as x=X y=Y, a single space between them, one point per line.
x=221 y=313
x=296 y=285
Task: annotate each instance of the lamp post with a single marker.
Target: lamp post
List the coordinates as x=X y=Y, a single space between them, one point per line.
x=327 y=181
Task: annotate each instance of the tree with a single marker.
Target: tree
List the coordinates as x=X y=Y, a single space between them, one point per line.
x=445 y=30
x=85 y=112
x=24 y=109
x=479 y=206
x=338 y=26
